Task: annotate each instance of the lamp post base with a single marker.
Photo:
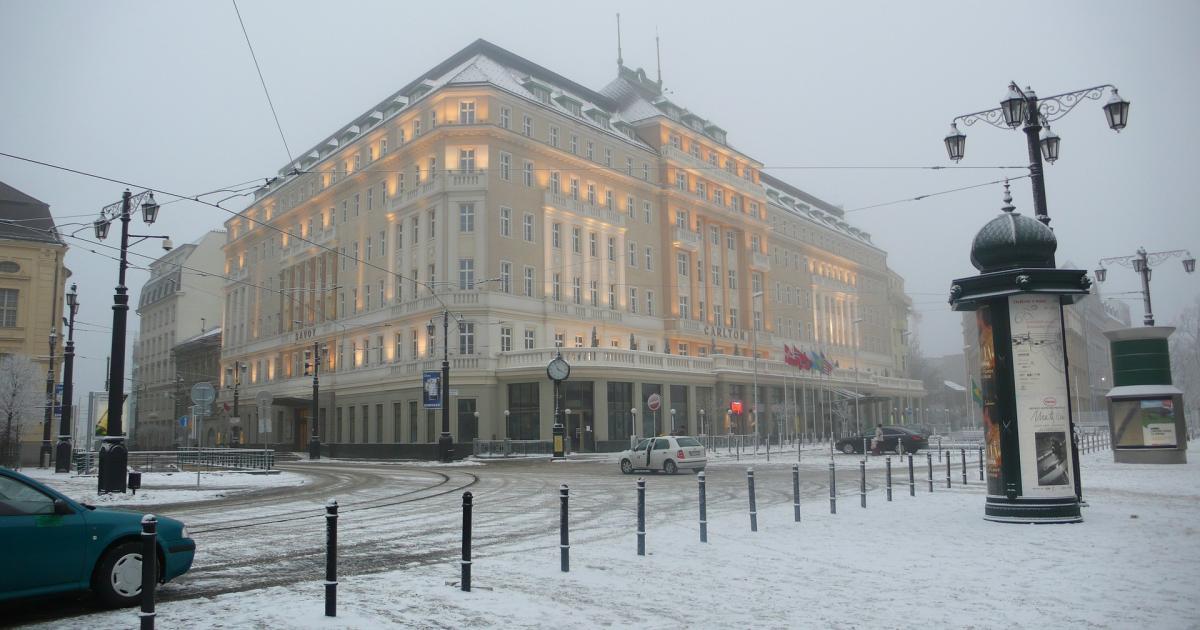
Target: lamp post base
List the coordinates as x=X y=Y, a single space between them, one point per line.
x=62 y=455
x=445 y=448
x=314 y=448
x=114 y=460
x=1027 y=510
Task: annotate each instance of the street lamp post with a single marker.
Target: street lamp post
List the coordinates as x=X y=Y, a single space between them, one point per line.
x=46 y=450
x=1141 y=263
x=445 y=447
x=233 y=380
x=62 y=452
x=114 y=456
x=314 y=439
x=633 y=427
x=703 y=427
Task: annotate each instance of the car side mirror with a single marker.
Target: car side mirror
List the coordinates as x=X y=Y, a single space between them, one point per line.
x=61 y=508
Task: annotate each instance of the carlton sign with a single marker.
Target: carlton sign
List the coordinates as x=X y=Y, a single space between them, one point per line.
x=726 y=333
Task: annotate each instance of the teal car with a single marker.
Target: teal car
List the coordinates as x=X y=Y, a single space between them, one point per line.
x=51 y=544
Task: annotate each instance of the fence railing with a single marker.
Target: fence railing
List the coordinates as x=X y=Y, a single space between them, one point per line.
x=511 y=448
x=86 y=462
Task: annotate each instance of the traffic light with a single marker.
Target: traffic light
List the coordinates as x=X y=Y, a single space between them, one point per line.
x=308 y=366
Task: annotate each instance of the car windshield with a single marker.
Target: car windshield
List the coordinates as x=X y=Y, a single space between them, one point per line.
x=688 y=441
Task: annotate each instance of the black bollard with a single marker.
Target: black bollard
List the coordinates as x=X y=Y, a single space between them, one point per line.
x=331 y=517
x=947 y=470
x=796 y=491
x=964 y=465
x=832 y=489
x=753 y=508
x=862 y=482
x=981 y=463
x=149 y=570
x=641 y=511
x=889 y=478
x=466 y=542
x=912 y=481
x=564 y=542
x=929 y=460
x=703 y=509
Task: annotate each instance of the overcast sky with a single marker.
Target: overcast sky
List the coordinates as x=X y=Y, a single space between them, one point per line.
x=164 y=94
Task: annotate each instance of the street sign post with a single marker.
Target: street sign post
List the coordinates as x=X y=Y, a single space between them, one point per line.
x=264 y=400
x=653 y=402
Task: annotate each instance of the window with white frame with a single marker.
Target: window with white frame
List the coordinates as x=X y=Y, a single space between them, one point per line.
x=466 y=160
x=529 y=339
x=573 y=144
x=576 y=240
x=685 y=307
x=505 y=221
x=527 y=227
x=647 y=212
x=612 y=296
x=556 y=286
x=576 y=290
x=466 y=338
x=733 y=317
x=556 y=235
x=466 y=273
x=506 y=276
x=612 y=248
x=505 y=339
x=527 y=174
x=681 y=264
x=649 y=302
x=527 y=288
x=719 y=314
x=757 y=320
x=578 y=341
x=526 y=125
x=732 y=278
x=633 y=254
x=649 y=259
x=730 y=240
x=608 y=157
x=432 y=224
x=555 y=182
x=574 y=189
x=505 y=166
x=593 y=245
x=466 y=112
x=594 y=292
x=591 y=150
x=558 y=339
x=466 y=217
x=629 y=166
x=756 y=282
x=553 y=136
x=505 y=117
x=633 y=299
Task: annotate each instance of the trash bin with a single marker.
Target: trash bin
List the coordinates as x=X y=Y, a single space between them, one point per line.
x=135 y=481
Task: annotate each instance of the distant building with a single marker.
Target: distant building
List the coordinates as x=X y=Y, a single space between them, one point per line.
x=181 y=299
x=198 y=360
x=33 y=281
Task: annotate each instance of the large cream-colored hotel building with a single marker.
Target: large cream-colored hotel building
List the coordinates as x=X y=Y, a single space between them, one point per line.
x=615 y=226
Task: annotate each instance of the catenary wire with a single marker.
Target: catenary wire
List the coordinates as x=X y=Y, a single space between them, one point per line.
x=263 y=81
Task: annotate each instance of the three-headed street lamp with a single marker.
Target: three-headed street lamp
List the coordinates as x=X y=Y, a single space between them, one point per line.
x=62 y=451
x=1024 y=108
x=1141 y=263
x=114 y=456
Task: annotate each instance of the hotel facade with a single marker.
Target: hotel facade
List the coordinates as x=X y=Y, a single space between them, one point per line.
x=613 y=226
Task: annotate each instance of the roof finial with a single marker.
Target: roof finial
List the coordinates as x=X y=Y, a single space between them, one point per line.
x=1008 y=204
x=658 y=59
x=620 y=61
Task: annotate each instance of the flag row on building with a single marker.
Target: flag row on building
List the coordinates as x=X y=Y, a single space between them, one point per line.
x=812 y=360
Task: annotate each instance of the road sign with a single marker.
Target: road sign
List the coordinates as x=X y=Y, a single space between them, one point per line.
x=264 y=400
x=654 y=402
x=203 y=393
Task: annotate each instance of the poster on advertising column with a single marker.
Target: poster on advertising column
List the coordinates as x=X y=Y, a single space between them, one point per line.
x=987 y=400
x=1039 y=374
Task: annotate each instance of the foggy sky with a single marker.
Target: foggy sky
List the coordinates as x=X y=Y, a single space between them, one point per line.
x=165 y=94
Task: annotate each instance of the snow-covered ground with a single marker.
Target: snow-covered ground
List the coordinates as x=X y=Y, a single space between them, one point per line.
x=925 y=561
x=162 y=488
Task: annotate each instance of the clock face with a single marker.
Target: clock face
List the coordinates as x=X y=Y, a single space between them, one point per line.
x=558 y=370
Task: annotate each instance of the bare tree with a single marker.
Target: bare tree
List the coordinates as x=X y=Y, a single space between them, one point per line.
x=21 y=402
x=1185 y=360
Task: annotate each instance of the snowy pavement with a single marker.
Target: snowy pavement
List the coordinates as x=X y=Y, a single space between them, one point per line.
x=924 y=561
x=165 y=488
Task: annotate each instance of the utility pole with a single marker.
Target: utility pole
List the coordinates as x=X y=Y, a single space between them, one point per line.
x=62 y=454
x=314 y=441
x=46 y=450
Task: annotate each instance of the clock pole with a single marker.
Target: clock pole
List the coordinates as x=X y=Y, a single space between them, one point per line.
x=558 y=370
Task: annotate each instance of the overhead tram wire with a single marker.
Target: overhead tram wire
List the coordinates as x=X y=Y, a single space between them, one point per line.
x=936 y=194
x=600 y=167
x=262 y=81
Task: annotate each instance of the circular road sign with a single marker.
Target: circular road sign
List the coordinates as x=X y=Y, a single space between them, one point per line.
x=203 y=393
x=654 y=402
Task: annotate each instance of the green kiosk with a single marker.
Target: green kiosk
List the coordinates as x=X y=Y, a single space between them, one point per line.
x=1145 y=410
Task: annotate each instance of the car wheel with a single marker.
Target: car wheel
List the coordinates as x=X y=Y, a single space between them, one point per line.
x=626 y=466
x=848 y=448
x=118 y=578
x=670 y=467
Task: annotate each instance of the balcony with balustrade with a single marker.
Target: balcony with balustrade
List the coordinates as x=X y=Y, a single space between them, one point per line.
x=584 y=209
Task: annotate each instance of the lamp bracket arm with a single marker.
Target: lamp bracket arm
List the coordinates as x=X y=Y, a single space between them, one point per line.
x=113 y=210
x=1054 y=107
x=993 y=117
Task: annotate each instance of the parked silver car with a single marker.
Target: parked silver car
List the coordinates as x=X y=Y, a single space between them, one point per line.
x=668 y=454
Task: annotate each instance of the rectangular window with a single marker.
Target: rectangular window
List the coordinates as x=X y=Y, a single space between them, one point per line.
x=633 y=300
x=576 y=240
x=466 y=112
x=681 y=264
x=649 y=259
x=608 y=157
x=576 y=290
x=594 y=292
x=629 y=166
x=681 y=180
x=416 y=228
x=718 y=314
x=527 y=227
x=505 y=117
x=556 y=235
x=556 y=287
x=527 y=289
x=574 y=144
x=649 y=302
x=629 y=206
x=730 y=240
x=633 y=253
x=8 y=307
x=466 y=160
x=591 y=150
x=432 y=224
x=505 y=339
x=383 y=242
x=757 y=320
x=527 y=174
x=646 y=213
x=368 y=249
x=466 y=274
x=733 y=317
x=526 y=125
x=506 y=166
x=555 y=183
x=505 y=221
x=592 y=245
x=466 y=217
x=612 y=296
x=733 y=279
x=506 y=276
x=756 y=282
x=701 y=190
x=716 y=276
x=578 y=341
x=529 y=339
x=685 y=307
x=612 y=248
x=466 y=338
x=575 y=189
x=553 y=136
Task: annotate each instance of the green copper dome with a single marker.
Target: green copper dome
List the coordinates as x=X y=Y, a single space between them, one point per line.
x=1013 y=241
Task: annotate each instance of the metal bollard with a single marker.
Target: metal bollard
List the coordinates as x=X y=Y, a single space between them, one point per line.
x=796 y=491
x=641 y=516
x=753 y=507
x=981 y=463
x=149 y=570
x=939 y=450
x=889 y=478
x=466 y=542
x=832 y=489
x=564 y=542
x=912 y=481
x=703 y=508
x=929 y=460
x=947 y=470
x=331 y=519
x=964 y=465
x=862 y=482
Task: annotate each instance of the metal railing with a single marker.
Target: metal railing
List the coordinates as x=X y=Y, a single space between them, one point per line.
x=511 y=448
x=86 y=462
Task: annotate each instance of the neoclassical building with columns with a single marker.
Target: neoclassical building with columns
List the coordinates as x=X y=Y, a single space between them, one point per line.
x=614 y=226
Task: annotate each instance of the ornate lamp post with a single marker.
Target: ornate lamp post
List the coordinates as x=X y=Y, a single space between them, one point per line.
x=445 y=447
x=1141 y=263
x=313 y=362
x=62 y=451
x=114 y=456
x=46 y=450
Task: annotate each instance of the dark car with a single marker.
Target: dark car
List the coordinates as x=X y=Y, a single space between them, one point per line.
x=899 y=440
x=51 y=544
